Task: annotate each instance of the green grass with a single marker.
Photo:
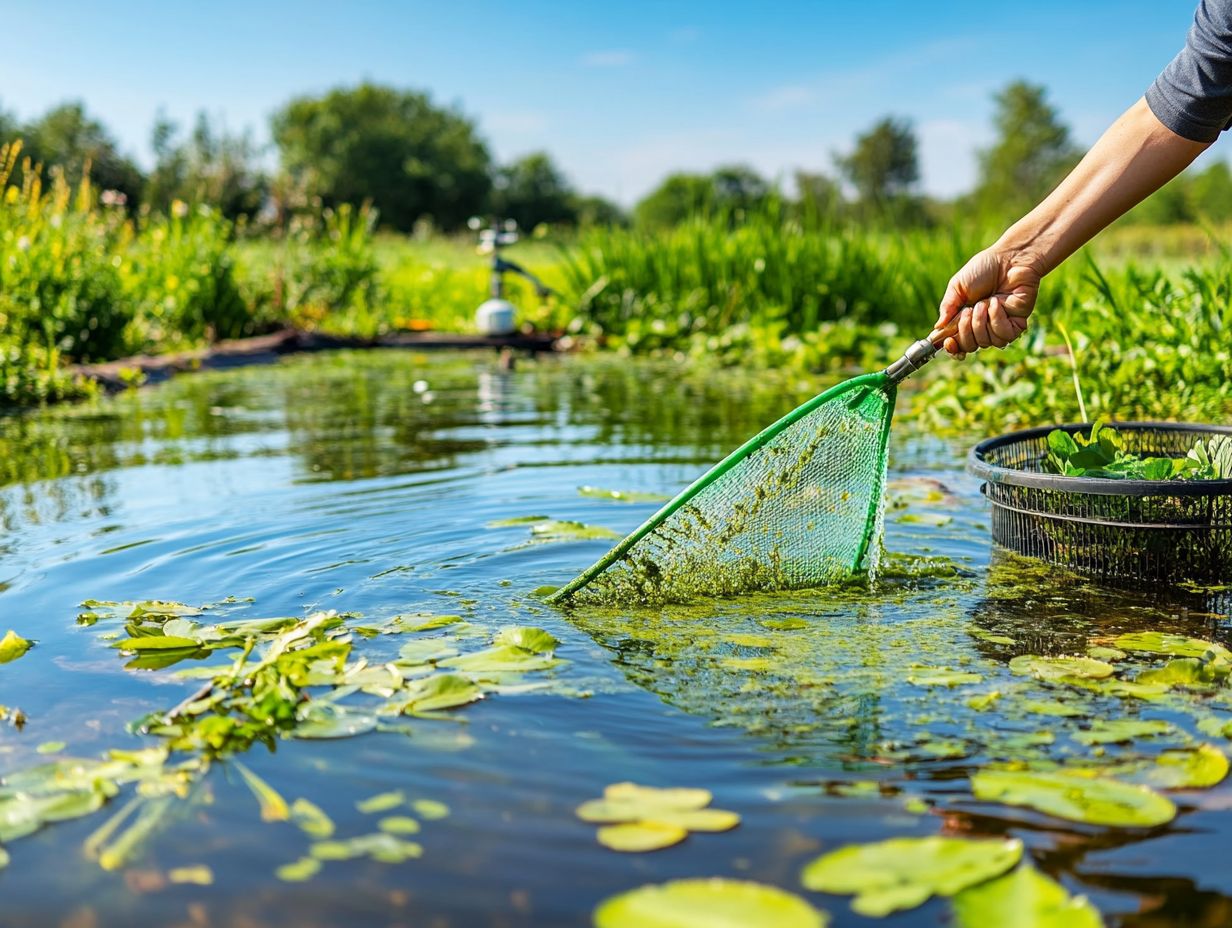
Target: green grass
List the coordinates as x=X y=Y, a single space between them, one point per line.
x=1149 y=317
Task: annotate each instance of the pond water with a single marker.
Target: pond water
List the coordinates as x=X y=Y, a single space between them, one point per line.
x=368 y=483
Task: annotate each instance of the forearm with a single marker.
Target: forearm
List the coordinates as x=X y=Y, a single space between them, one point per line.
x=1133 y=159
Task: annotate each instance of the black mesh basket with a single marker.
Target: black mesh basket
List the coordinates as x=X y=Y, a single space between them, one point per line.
x=1127 y=531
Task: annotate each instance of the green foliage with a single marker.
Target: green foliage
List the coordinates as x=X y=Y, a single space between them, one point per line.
x=1140 y=335
x=1102 y=453
x=68 y=139
x=770 y=279
x=208 y=167
x=320 y=273
x=531 y=191
x=883 y=167
x=60 y=285
x=1032 y=152
x=1024 y=898
x=412 y=159
x=731 y=192
x=902 y=873
x=181 y=277
x=1192 y=197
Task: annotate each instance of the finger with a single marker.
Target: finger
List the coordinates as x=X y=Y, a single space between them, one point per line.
x=966 y=338
x=951 y=345
x=951 y=303
x=1003 y=330
x=979 y=324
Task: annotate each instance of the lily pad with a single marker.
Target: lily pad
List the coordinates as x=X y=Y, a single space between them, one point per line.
x=311 y=820
x=528 y=638
x=629 y=802
x=430 y=809
x=328 y=721
x=1215 y=727
x=1078 y=798
x=712 y=903
x=1199 y=768
x=1186 y=671
x=565 y=530
x=943 y=677
x=381 y=847
x=157 y=643
x=199 y=875
x=1061 y=668
x=443 y=691
x=1051 y=707
x=13 y=646
x=4 y=858
x=623 y=496
x=501 y=658
x=1114 y=731
x=1023 y=899
x=1101 y=653
x=1174 y=645
x=381 y=802
x=399 y=825
x=902 y=873
x=636 y=837
x=697 y=819
x=300 y=871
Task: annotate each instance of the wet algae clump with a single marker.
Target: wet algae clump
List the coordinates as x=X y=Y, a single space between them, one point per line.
x=802 y=510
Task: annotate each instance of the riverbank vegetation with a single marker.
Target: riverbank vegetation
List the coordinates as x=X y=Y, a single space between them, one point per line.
x=827 y=274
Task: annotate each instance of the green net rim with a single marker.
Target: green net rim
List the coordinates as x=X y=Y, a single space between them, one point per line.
x=877 y=380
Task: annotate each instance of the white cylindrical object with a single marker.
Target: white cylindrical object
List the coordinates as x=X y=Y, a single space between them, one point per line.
x=496 y=317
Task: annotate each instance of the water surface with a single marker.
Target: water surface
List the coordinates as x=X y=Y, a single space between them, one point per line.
x=366 y=483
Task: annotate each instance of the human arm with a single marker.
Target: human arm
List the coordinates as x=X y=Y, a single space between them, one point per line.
x=1184 y=110
x=995 y=292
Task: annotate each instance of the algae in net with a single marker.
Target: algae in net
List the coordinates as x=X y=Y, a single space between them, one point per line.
x=798 y=505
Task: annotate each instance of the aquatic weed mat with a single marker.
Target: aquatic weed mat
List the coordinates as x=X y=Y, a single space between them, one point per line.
x=798 y=505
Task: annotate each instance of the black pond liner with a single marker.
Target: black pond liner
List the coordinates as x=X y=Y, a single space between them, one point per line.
x=1126 y=532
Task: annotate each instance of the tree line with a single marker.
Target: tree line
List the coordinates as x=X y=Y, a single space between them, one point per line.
x=424 y=165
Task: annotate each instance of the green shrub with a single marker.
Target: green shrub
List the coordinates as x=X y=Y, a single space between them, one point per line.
x=60 y=272
x=180 y=278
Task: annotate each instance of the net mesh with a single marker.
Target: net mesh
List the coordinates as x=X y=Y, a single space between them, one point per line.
x=799 y=506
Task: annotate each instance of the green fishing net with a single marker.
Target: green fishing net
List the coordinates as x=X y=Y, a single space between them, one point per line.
x=797 y=506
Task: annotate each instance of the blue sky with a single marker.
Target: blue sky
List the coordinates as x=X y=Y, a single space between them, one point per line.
x=620 y=93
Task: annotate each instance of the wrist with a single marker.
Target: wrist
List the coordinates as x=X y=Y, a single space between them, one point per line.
x=1023 y=245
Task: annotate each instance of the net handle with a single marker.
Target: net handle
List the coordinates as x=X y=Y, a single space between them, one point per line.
x=878 y=380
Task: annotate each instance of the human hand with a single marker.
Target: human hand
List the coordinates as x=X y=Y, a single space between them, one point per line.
x=989 y=299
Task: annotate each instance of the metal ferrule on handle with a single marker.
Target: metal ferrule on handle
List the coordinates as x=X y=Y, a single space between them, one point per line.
x=915 y=357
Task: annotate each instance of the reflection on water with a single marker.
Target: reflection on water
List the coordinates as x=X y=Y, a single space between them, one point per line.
x=367 y=483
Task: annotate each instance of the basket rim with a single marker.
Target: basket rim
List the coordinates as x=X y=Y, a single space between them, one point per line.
x=978 y=465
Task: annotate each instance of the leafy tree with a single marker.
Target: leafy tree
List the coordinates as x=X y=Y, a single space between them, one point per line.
x=594 y=210
x=731 y=190
x=1210 y=193
x=738 y=187
x=411 y=158
x=884 y=166
x=9 y=129
x=66 y=137
x=532 y=190
x=210 y=166
x=818 y=197
x=678 y=197
x=1032 y=153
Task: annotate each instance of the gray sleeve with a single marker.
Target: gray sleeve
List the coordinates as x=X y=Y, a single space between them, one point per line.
x=1193 y=95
